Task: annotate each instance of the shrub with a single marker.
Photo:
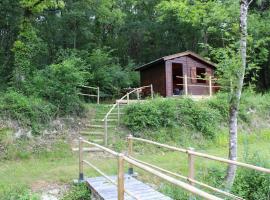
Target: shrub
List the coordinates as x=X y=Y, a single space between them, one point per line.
x=78 y=192
x=169 y=113
x=251 y=184
x=58 y=84
x=18 y=193
x=28 y=111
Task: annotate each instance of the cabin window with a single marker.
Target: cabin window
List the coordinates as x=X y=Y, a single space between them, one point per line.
x=200 y=72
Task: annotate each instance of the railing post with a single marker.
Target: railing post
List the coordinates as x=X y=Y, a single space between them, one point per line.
x=121 y=177
x=191 y=168
x=130 y=152
x=152 y=91
x=138 y=95
x=118 y=113
x=210 y=86
x=106 y=131
x=186 y=84
x=127 y=98
x=98 y=95
x=81 y=177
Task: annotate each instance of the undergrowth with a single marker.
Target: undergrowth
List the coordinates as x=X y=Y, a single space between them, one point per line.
x=169 y=119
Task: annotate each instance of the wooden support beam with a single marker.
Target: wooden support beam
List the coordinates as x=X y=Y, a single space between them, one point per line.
x=121 y=178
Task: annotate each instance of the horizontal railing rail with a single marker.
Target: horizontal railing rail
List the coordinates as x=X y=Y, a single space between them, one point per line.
x=203 y=155
x=120 y=177
x=127 y=97
x=209 y=83
x=191 y=172
x=97 y=95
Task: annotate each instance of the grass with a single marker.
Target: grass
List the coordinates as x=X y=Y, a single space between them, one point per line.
x=61 y=165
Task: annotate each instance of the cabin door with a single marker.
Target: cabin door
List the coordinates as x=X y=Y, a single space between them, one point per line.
x=177 y=77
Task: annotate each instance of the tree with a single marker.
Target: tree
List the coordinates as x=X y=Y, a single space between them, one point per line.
x=236 y=93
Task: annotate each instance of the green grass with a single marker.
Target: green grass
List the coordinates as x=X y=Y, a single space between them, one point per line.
x=61 y=165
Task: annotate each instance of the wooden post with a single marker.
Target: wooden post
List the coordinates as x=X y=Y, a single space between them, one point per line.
x=191 y=168
x=210 y=86
x=121 y=177
x=97 y=95
x=152 y=91
x=106 y=131
x=186 y=84
x=138 y=95
x=127 y=98
x=81 y=177
x=130 y=152
x=118 y=113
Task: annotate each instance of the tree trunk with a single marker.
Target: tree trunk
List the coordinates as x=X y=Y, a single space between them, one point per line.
x=236 y=95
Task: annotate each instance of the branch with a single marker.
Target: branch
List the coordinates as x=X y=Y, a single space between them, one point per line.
x=250 y=2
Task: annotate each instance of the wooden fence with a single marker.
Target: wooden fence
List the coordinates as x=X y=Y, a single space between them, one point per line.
x=96 y=89
x=124 y=100
x=191 y=164
x=122 y=159
x=210 y=85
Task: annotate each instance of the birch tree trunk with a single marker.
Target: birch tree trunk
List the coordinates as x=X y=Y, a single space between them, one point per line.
x=236 y=95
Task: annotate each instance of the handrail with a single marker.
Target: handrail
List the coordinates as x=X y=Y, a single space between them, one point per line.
x=188 y=179
x=91 y=95
x=120 y=183
x=203 y=155
x=171 y=180
x=105 y=119
x=198 y=78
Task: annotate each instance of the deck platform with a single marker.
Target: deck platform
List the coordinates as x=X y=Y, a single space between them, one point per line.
x=104 y=190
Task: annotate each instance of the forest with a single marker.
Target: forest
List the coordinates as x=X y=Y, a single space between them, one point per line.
x=49 y=48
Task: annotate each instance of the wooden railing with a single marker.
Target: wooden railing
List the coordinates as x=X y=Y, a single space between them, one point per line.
x=209 y=85
x=127 y=99
x=120 y=176
x=191 y=164
x=97 y=93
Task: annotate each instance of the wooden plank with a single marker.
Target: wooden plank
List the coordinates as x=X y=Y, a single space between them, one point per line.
x=108 y=191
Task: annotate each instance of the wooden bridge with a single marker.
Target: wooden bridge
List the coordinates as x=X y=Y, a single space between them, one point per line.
x=124 y=186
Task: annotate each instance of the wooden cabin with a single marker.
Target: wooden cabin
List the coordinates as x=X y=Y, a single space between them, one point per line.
x=184 y=73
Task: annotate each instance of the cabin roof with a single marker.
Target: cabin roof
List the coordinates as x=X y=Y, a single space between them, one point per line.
x=177 y=55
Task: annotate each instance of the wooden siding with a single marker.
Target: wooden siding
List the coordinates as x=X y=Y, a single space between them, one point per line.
x=154 y=75
x=188 y=64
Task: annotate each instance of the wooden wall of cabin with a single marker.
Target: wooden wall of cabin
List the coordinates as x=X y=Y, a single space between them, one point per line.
x=189 y=65
x=154 y=75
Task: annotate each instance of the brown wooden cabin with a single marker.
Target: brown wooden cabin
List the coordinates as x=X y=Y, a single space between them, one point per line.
x=167 y=74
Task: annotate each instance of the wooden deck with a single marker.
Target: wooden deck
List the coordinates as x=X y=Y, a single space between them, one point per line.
x=103 y=189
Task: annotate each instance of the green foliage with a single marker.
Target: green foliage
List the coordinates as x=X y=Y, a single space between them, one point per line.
x=251 y=184
x=78 y=192
x=174 y=192
x=29 y=111
x=18 y=193
x=172 y=112
x=106 y=72
x=58 y=84
x=204 y=117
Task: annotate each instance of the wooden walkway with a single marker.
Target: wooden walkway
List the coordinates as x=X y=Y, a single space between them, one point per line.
x=103 y=189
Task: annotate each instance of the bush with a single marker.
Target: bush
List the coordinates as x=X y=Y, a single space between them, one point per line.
x=28 y=111
x=16 y=193
x=58 y=84
x=78 y=192
x=172 y=112
x=251 y=184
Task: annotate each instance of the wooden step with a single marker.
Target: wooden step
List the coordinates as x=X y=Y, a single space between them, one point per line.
x=89 y=149
x=94 y=126
x=91 y=133
x=97 y=140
